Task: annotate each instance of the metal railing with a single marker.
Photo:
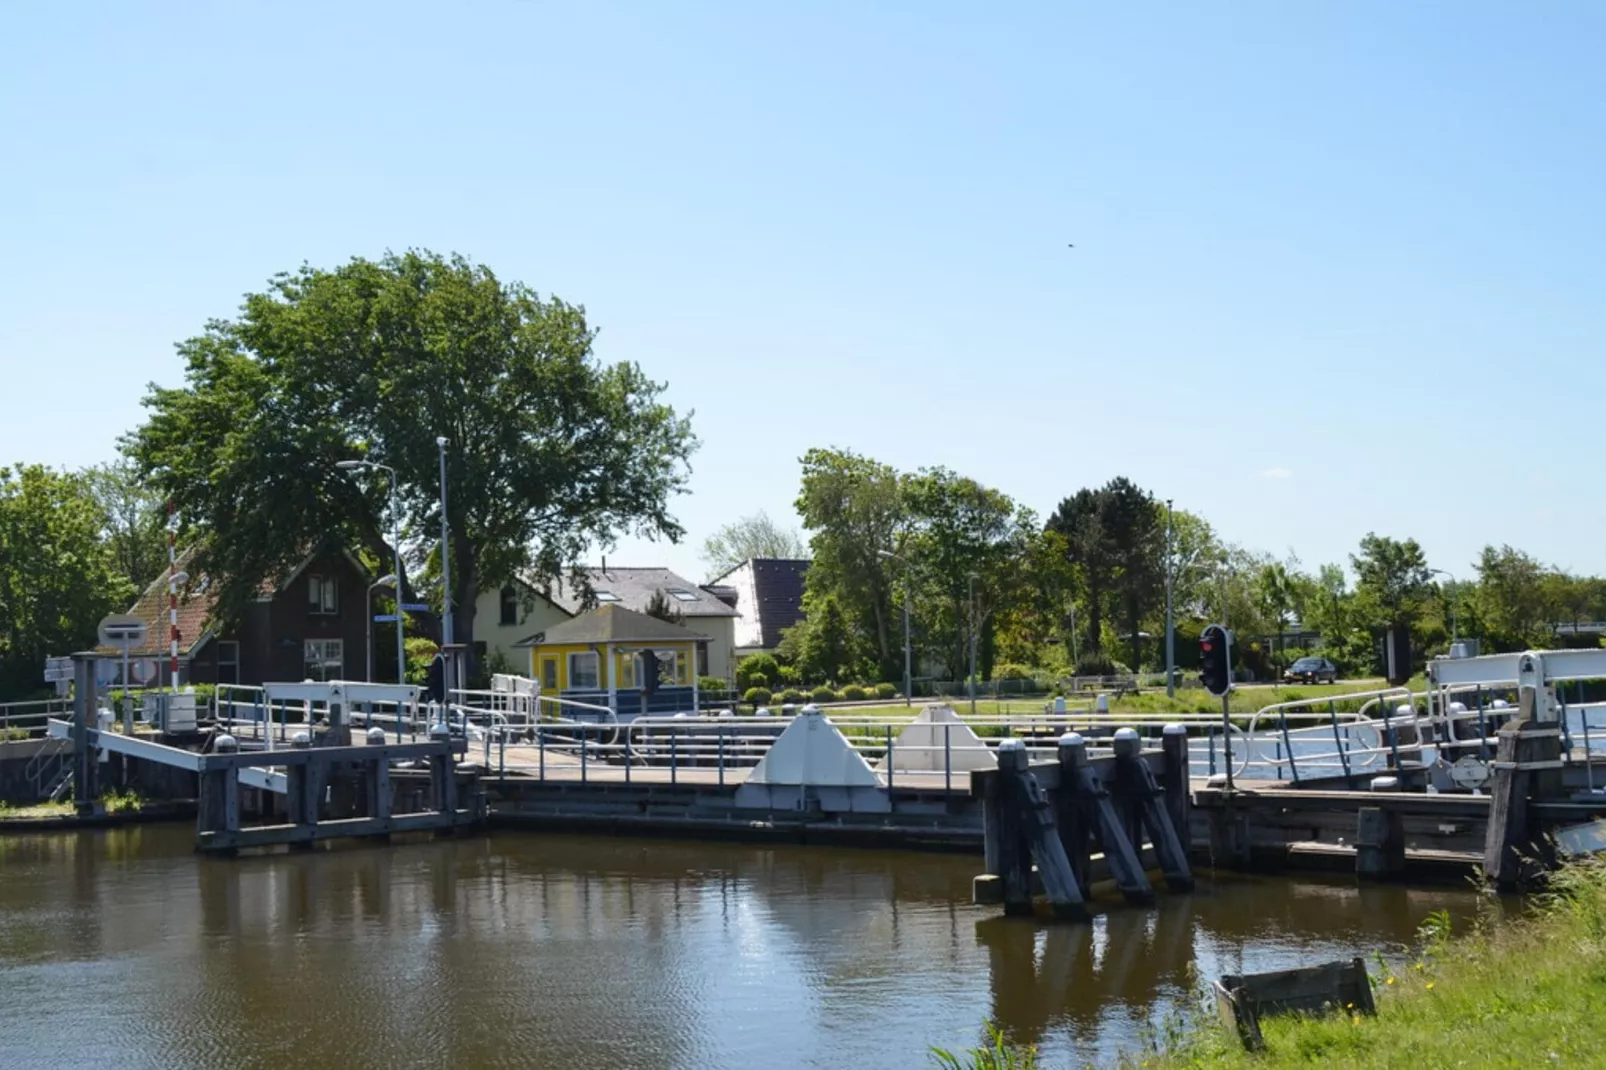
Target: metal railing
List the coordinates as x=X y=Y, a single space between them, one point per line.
x=27 y=720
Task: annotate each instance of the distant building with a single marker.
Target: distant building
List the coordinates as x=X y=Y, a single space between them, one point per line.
x=633 y=588
x=309 y=625
x=505 y=615
x=768 y=598
x=599 y=657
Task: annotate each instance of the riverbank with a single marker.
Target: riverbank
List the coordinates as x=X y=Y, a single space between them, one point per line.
x=1519 y=993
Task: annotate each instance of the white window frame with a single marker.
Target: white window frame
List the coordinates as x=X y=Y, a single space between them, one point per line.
x=326 y=655
x=552 y=663
x=323 y=595
x=596 y=671
x=502 y=603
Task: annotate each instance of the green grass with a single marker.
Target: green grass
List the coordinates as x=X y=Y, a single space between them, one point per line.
x=112 y=802
x=1522 y=993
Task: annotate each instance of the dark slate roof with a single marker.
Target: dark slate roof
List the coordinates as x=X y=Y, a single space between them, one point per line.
x=778 y=587
x=611 y=624
x=634 y=587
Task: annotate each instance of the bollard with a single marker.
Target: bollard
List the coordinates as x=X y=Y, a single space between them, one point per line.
x=1175 y=780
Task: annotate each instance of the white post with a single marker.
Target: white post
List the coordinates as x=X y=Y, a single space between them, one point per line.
x=613 y=682
x=695 y=707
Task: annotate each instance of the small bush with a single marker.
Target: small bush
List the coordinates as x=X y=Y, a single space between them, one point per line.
x=791 y=676
x=791 y=696
x=885 y=691
x=755 y=664
x=712 y=683
x=822 y=694
x=1011 y=671
x=756 y=696
x=1098 y=665
x=854 y=693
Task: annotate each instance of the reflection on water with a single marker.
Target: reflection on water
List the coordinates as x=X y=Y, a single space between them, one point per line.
x=123 y=949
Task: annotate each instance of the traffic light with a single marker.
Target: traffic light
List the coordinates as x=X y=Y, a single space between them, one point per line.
x=649 y=672
x=1215 y=660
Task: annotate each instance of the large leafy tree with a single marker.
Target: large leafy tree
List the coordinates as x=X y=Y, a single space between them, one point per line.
x=549 y=451
x=135 y=520
x=1393 y=579
x=964 y=550
x=751 y=536
x=1079 y=520
x=1134 y=524
x=854 y=507
x=58 y=574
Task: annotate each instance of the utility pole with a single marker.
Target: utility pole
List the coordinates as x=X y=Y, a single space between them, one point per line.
x=1170 y=630
x=908 y=660
x=972 y=581
x=446 y=577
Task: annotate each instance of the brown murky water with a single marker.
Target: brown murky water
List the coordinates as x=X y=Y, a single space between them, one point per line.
x=124 y=949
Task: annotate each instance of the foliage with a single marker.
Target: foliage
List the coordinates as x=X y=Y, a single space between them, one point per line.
x=790 y=675
x=134 y=520
x=712 y=683
x=885 y=690
x=790 y=697
x=1393 y=578
x=823 y=694
x=1098 y=665
x=854 y=693
x=1507 y=993
x=549 y=452
x=996 y=1054
x=662 y=607
x=757 y=664
x=751 y=536
x=58 y=575
x=854 y=507
x=756 y=696
x=420 y=653
x=825 y=644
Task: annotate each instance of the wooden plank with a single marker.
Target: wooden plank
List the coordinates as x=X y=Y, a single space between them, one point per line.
x=1242 y=1001
x=274 y=835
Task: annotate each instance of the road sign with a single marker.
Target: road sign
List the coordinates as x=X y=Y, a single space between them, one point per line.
x=106 y=671
x=122 y=632
x=384 y=618
x=415 y=607
x=143 y=670
x=58 y=670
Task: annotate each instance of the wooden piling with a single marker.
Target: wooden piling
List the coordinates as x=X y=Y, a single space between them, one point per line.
x=1038 y=829
x=1379 y=844
x=1142 y=799
x=1527 y=766
x=1174 y=780
x=1072 y=815
x=1120 y=853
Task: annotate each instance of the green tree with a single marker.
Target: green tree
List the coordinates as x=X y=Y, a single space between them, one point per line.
x=661 y=607
x=825 y=645
x=1393 y=579
x=58 y=574
x=964 y=549
x=751 y=536
x=549 y=451
x=1134 y=525
x=1511 y=600
x=1079 y=521
x=134 y=520
x=854 y=507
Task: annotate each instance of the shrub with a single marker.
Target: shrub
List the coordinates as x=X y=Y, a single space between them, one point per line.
x=753 y=664
x=712 y=683
x=791 y=676
x=756 y=696
x=791 y=696
x=758 y=679
x=1011 y=671
x=854 y=693
x=822 y=694
x=885 y=691
x=1097 y=665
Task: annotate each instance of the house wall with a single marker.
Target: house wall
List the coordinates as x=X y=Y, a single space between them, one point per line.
x=536 y=614
x=276 y=632
x=559 y=654
x=721 y=632
x=747 y=632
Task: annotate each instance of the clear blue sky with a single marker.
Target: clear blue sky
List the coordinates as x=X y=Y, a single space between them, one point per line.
x=1338 y=267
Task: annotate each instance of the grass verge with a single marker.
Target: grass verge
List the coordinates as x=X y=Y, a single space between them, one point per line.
x=1524 y=993
x=113 y=802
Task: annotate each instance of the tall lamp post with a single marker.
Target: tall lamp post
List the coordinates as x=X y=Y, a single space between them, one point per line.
x=1455 y=626
x=446 y=579
x=908 y=661
x=1170 y=629
x=383 y=581
x=971 y=578
x=396 y=571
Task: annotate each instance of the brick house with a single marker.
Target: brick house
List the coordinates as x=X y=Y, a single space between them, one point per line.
x=312 y=624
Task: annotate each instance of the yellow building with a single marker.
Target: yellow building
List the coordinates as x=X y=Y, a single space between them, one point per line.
x=598 y=657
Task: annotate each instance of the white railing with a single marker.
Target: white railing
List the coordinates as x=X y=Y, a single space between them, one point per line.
x=28 y=720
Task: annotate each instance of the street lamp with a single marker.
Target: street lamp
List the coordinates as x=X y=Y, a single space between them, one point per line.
x=1170 y=629
x=396 y=573
x=384 y=581
x=972 y=583
x=1455 y=626
x=446 y=576
x=908 y=662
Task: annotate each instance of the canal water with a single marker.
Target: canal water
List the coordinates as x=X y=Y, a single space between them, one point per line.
x=124 y=949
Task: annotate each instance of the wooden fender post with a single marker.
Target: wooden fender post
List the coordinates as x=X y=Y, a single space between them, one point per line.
x=1527 y=760
x=1035 y=816
x=1142 y=797
x=1120 y=854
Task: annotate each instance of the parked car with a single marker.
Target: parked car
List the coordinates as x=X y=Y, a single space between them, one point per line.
x=1311 y=671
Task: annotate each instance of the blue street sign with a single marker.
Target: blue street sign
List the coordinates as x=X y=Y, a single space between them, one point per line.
x=416 y=607
x=384 y=618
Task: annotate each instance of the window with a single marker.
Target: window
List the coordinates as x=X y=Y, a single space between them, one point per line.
x=324 y=658
x=680 y=595
x=670 y=663
x=549 y=674
x=228 y=662
x=323 y=595
x=510 y=605
x=702 y=660
x=604 y=597
x=583 y=671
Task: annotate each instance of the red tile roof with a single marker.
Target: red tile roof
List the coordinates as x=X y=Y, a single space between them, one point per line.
x=196 y=599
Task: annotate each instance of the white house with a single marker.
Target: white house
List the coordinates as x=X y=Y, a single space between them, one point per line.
x=633 y=588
